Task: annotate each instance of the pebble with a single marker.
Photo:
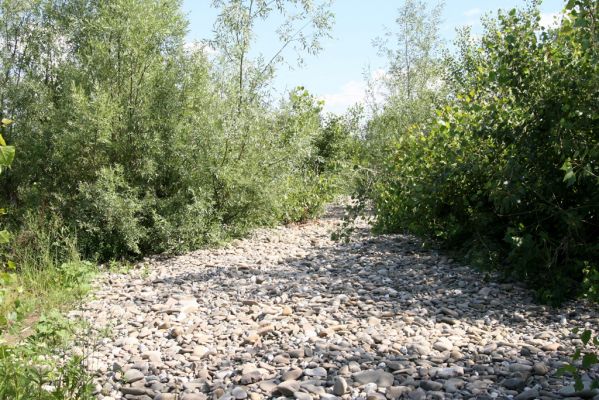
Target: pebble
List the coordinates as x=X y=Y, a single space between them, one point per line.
x=379 y=377
x=340 y=386
x=288 y=312
x=133 y=375
x=288 y=388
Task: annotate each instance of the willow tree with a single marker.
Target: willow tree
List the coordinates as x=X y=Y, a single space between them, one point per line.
x=303 y=25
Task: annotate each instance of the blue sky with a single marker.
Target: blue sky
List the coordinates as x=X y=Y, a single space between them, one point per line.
x=337 y=73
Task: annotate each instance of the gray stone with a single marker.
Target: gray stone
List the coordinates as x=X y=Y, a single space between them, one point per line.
x=380 y=377
x=288 y=388
x=418 y=394
x=540 y=369
x=239 y=393
x=514 y=383
x=136 y=391
x=340 y=386
x=396 y=392
x=292 y=374
x=194 y=396
x=431 y=385
x=528 y=395
x=133 y=375
x=316 y=372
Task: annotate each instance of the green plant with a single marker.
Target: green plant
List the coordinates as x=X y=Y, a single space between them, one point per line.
x=505 y=172
x=29 y=372
x=584 y=358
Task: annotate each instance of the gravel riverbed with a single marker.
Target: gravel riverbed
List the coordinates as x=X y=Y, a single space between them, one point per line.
x=288 y=313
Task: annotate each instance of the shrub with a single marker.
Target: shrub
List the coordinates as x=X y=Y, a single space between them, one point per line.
x=508 y=171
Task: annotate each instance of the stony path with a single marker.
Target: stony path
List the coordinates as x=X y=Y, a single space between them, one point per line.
x=289 y=313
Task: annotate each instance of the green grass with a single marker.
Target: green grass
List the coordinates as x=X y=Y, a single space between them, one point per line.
x=42 y=276
x=37 y=367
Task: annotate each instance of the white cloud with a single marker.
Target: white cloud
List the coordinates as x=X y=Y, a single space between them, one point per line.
x=473 y=12
x=351 y=93
x=348 y=95
x=194 y=46
x=550 y=20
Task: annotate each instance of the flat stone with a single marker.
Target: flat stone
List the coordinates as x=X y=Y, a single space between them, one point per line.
x=443 y=345
x=288 y=388
x=447 y=373
x=302 y=396
x=292 y=374
x=418 y=394
x=528 y=395
x=194 y=396
x=380 y=377
x=340 y=386
x=431 y=385
x=136 y=391
x=514 y=383
x=316 y=372
x=239 y=393
x=132 y=375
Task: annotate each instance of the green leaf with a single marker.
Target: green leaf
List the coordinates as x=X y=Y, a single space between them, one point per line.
x=578 y=385
x=7 y=155
x=4 y=237
x=576 y=355
x=586 y=336
x=570 y=369
x=6 y=121
x=570 y=176
x=589 y=360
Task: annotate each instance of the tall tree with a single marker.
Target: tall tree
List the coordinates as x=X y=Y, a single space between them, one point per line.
x=304 y=23
x=413 y=83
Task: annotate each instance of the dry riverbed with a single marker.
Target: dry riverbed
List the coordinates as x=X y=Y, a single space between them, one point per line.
x=290 y=313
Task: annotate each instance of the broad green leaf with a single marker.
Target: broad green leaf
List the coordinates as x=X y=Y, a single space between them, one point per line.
x=4 y=237
x=578 y=385
x=589 y=360
x=6 y=121
x=7 y=155
x=570 y=369
x=586 y=336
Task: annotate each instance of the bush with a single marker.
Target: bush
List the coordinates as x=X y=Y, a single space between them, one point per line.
x=508 y=171
x=139 y=145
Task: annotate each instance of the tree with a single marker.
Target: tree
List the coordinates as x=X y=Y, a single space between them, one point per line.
x=413 y=83
x=414 y=65
x=304 y=25
x=7 y=155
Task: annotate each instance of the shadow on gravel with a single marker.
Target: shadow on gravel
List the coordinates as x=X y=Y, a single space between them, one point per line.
x=386 y=300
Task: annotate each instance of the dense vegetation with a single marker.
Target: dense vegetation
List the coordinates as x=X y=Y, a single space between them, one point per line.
x=136 y=145
x=127 y=141
x=119 y=140
x=497 y=157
